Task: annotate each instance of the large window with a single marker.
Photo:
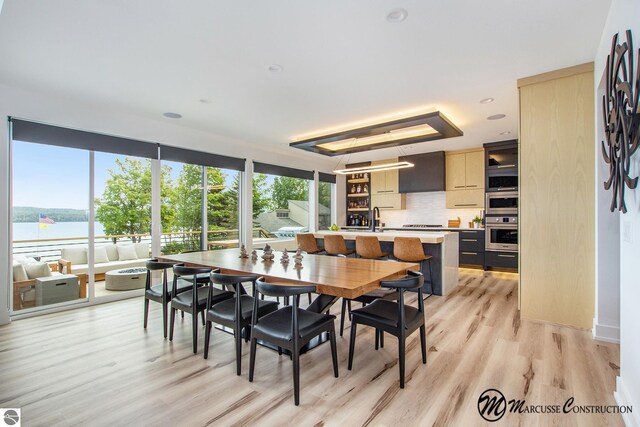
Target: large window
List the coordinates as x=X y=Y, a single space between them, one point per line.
x=325 y=195
x=50 y=215
x=280 y=202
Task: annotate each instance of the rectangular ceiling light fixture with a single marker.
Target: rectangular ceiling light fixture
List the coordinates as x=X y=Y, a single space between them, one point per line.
x=409 y=130
x=375 y=168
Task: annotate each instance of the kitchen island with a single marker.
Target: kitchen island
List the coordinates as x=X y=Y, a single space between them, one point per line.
x=442 y=246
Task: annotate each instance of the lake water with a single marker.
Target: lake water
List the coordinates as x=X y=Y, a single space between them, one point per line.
x=32 y=230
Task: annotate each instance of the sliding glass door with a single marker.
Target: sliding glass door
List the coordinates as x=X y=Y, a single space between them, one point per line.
x=50 y=225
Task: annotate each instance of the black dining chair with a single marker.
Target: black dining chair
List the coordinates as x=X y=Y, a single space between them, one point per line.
x=234 y=313
x=289 y=328
x=160 y=293
x=395 y=318
x=194 y=300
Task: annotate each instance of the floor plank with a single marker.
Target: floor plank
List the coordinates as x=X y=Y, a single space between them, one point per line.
x=98 y=366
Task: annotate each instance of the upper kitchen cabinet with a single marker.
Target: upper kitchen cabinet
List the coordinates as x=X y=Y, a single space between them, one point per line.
x=384 y=182
x=465 y=179
x=428 y=174
x=465 y=170
x=502 y=155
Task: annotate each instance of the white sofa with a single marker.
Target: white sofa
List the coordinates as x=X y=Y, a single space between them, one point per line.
x=73 y=259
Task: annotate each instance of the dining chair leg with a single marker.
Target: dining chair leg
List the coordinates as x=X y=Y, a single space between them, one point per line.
x=423 y=343
x=252 y=358
x=401 y=359
x=296 y=376
x=238 y=338
x=246 y=331
x=202 y=316
x=381 y=338
x=207 y=336
x=352 y=344
x=309 y=297
x=342 y=314
x=182 y=314
x=334 y=352
x=146 y=312
x=377 y=338
x=173 y=320
x=165 y=308
x=194 y=328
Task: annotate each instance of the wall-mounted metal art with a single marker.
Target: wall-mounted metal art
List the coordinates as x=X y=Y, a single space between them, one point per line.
x=621 y=119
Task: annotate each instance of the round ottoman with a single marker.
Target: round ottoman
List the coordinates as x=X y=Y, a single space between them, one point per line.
x=125 y=279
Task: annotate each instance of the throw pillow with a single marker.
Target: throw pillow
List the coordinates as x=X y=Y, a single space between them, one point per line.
x=100 y=255
x=37 y=269
x=19 y=273
x=127 y=252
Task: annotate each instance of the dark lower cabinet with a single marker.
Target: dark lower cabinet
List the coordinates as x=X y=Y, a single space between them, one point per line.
x=495 y=260
x=471 y=248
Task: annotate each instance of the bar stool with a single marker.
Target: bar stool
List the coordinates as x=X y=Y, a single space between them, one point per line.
x=193 y=301
x=367 y=247
x=161 y=292
x=307 y=242
x=334 y=244
x=409 y=249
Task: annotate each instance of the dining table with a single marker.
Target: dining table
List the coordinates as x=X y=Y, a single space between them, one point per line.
x=333 y=277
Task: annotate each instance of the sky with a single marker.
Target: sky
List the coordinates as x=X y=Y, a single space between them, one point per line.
x=46 y=176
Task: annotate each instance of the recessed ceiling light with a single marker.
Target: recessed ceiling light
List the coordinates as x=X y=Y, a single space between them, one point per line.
x=205 y=101
x=171 y=115
x=275 y=68
x=506 y=132
x=496 y=117
x=486 y=101
x=397 y=15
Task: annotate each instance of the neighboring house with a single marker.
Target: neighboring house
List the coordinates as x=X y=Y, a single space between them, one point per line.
x=292 y=220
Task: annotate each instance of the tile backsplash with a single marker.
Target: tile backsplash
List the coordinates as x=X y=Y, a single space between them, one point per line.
x=427 y=208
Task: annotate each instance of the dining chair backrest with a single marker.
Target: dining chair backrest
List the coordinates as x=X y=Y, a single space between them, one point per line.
x=180 y=270
x=368 y=247
x=307 y=242
x=413 y=280
x=408 y=249
x=155 y=265
x=335 y=244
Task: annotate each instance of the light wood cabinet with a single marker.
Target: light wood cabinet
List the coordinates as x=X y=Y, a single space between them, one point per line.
x=465 y=179
x=465 y=170
x=465 y=199
x=384 y=182
x=388 y=201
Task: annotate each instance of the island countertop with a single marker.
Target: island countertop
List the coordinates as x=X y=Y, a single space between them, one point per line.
x=430 y=237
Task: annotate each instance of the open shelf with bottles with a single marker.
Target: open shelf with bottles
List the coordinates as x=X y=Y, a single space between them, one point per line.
x=358 y=200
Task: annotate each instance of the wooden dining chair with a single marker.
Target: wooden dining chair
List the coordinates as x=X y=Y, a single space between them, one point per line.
x=307 y=242
x=395 y=318
x=289 y=328
x=234 y=313
x=194 y=300
x=334 y=244
x=409 y=249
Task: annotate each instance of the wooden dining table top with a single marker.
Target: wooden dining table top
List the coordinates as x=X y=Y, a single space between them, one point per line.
x=335 y=276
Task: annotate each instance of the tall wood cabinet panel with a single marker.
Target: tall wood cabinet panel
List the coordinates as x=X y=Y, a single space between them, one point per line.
x=557 y=196
x=384 y=188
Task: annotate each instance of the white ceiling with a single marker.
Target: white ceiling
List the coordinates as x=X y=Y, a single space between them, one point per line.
x=342 y=61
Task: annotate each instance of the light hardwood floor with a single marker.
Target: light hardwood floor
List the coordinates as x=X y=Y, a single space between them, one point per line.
x=98 y=366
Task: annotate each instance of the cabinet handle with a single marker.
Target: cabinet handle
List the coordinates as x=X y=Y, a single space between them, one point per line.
x=506 y=166
x=385 y=207
x=471 y=186
x=469 y=253
x=458 y=186
x=470 y=232
x=506 y=256
x=466 y=204
x=508 y=188
x=469 y=240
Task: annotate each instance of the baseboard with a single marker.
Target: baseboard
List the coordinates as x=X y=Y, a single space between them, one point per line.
x=606 y=333
x=622 y=397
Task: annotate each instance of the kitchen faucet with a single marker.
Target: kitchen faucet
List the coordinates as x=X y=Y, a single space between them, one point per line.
x=373 y=217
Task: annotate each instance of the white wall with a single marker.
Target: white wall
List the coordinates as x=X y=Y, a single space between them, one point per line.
x=623 y=15
x=66 y=112
x=606 y=323
x=427 y=208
